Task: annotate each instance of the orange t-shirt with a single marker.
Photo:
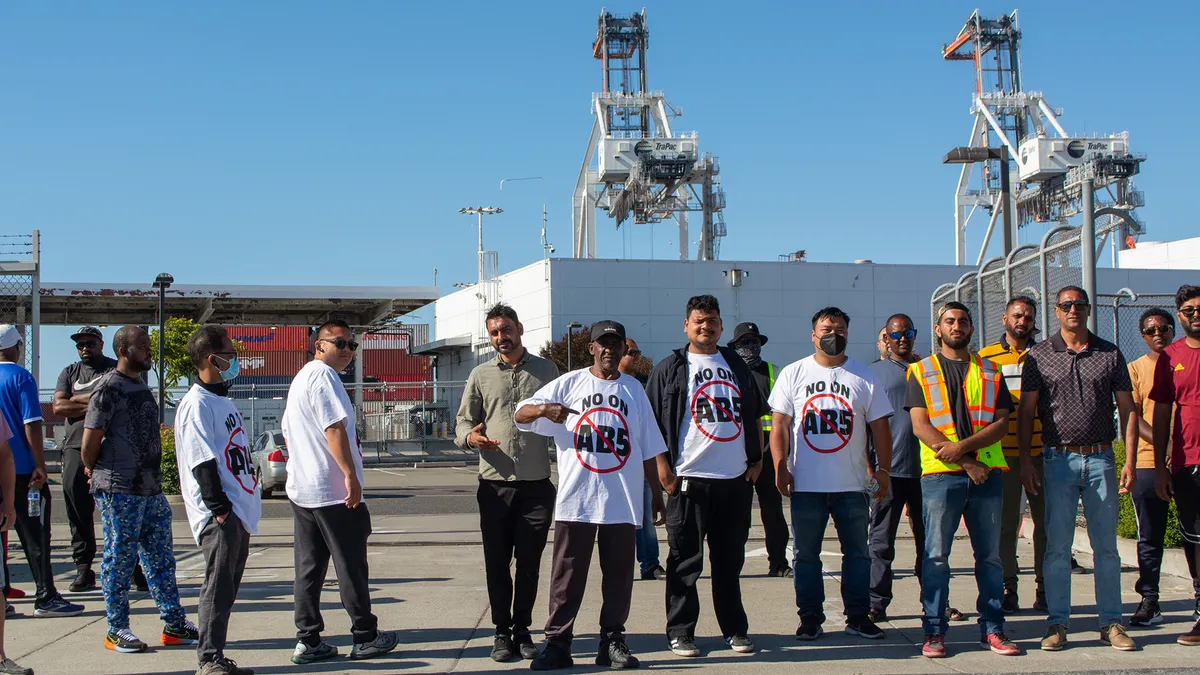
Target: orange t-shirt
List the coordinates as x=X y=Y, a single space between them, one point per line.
x=1141 y=371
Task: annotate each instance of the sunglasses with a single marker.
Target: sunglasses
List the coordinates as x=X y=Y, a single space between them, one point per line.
x=341 y=343
x=910 y=334
x=1081 y=305
x=1189 y=312
x=1160 y=330
x=87 y=344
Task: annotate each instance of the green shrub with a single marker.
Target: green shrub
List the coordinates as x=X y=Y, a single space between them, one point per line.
x=1127 y=522
x=170 y=472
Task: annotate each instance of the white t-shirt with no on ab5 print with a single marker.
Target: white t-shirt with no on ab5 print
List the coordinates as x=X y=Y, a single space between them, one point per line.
x=712 y=442
x=316 y=401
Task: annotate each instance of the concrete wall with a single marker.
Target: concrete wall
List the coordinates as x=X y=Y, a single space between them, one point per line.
x=1164 y=255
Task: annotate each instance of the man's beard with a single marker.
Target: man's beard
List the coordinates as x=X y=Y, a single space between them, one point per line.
x=957 y=343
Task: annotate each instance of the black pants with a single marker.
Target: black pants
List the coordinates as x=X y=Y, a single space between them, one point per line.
x=341 y=533
x=514 y=518
x=1152 y=527
x=770 y=509
x=34 y=534
x=225 y=547
x=572 y=557
x=886 y=514
x=81 y=509
x=718 y=510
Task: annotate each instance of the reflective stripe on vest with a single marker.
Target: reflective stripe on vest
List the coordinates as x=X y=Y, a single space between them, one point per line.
x=766 y=419
x=980 y=387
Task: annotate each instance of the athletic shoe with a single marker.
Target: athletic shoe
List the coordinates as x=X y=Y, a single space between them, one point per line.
x=809 y=629
x=9 y=611
x=57 y=607
x=656 y=573
x=304 y=654
x=1076 y=568
x=1010 y=604
x=1191 y=638
x=1147 y=613
x=1000 y=644
x=524 y=642
x=864 y=627
x=13 y=593
x=222 y=666
x=10 y=667
x=953 y=614
x=877 y=615
x=124 y=641
x=784 y=572
x=553 y=657
x=1056 y=638
x=615 y=654
x=1116 y=636
x=384 y=642
x=85 y=580
x=181 y=635
x=934 y=647
x=684 y=646
x=741 y=644
x=503 y=648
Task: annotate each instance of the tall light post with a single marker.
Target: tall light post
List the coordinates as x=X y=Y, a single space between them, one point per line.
x=571 y=326
x=480 y=212
x=162 y=282
x=547 y=249
x=965 y=155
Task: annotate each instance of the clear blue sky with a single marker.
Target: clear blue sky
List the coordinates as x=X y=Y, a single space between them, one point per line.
x=315 y=142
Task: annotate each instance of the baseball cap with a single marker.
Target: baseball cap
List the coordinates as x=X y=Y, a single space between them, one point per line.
x=602 y=328
x=9 y=337
x=744 y=329
x=88 y=331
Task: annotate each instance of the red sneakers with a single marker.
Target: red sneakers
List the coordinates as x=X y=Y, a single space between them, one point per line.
x=13 y=593
x=934 y=647
x=999 y=643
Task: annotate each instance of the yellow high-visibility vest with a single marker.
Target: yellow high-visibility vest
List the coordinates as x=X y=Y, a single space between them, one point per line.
x=980 y=387
x=770 y=385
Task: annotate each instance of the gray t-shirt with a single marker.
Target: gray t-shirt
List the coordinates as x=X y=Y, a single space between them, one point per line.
x=131 y=453
x=906 y=450
x=80 y=378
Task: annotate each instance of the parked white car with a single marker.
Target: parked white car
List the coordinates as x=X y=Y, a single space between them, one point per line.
x=269 y=454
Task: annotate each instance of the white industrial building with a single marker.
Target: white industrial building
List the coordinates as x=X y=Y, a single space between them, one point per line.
x=649 y=296
x=1164 y=255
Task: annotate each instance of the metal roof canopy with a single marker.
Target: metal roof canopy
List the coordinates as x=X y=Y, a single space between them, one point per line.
x=126 y=304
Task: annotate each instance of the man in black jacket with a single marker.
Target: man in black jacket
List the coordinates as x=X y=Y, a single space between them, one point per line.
x=704 y=397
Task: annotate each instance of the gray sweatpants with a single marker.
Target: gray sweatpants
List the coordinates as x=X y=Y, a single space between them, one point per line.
x=225 y=549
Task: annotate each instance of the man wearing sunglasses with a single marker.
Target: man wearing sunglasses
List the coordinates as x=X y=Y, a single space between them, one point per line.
x=1009 y=353
x=1070 y=382
x=647 y=535
x=1176 y=382
x=1158 y=330
x=324 y=484
x=748 y=343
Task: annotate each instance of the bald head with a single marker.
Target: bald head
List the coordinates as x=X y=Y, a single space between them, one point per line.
x=132 y=347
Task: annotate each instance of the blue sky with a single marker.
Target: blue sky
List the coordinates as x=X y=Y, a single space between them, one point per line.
x=314 y=142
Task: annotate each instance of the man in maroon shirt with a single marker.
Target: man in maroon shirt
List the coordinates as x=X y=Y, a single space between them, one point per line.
x=1177 y=381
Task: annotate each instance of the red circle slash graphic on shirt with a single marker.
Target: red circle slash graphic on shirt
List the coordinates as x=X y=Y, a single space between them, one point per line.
x=827 y=429
x=600 y=432
x=720 y=410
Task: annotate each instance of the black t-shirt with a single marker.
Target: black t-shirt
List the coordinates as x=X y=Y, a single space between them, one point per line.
x=955 y=373
x=80 y=378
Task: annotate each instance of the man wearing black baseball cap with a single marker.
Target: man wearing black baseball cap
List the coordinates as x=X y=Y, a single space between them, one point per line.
x=75 y=385
x=748 y=343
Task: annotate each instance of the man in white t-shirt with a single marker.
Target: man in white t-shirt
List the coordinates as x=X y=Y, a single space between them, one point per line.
x=220 y=490
x=602 y=425
x=824 y=406
x=704 y=398
x=324 y=484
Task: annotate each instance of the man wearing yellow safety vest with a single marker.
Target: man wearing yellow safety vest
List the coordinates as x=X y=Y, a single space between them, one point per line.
x=959 y=408
x=748 y=343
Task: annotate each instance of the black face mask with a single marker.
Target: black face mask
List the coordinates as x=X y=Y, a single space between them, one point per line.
x=833 y=344
x=750 y=351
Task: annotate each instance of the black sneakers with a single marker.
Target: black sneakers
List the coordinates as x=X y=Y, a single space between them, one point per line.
x=1147 y=614
x=614 y=653
x=553 y=657
x=864 y=627
x=1010 y=604
x=656 y=573
x=809 y=629
x=85 y=580
x=784 y=572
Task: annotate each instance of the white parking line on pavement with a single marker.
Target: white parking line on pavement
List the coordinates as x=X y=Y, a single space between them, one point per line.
x=393 y=473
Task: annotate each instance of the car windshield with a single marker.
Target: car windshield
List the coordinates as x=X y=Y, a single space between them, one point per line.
x=279 y=440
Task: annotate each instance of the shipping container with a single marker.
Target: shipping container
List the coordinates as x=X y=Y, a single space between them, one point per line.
x=394 y=337
x=268 y=338
x=261 y=386
x=387 y=364
x=271 y=363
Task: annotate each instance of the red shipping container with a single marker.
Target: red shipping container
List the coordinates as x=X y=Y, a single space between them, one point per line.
x=267 y=338
x=395 y=365
x=395 y=337
x=272 y=363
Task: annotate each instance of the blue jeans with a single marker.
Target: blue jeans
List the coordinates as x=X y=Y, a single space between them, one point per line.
x=1069 y=476
x=946 y=499
x=851 y=515
x=646 y=538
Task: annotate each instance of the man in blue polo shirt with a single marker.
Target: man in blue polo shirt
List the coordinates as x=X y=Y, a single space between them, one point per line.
x=22 y=412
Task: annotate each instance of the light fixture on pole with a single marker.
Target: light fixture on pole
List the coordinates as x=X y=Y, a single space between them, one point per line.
x=547 y=248
x=481 y=211
x=964 y=155
x=571 y=326
x=162 y=282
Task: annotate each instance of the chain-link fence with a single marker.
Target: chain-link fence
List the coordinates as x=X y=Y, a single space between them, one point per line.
x=1118 y=318
x=19 y=290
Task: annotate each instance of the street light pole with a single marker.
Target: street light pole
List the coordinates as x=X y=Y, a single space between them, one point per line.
x=571 y=326
x=965 y=155
x=480 y=211
x=162 y=282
